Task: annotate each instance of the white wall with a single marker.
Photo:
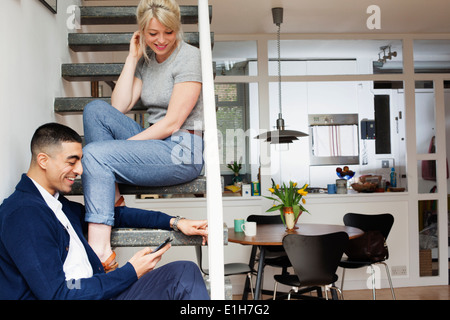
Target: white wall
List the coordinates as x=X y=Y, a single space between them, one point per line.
x=34 y=44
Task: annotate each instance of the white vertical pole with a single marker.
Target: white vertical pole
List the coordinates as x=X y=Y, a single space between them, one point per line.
x=411 y=153
x=441 y=178
x=214 y=186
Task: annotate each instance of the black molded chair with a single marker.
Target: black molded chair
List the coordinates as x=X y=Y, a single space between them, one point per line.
x=230 y=269
x=368 y=222
x=315 y=260
x=275 y=256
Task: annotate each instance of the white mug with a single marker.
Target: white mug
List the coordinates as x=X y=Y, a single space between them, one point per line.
x=249 y=228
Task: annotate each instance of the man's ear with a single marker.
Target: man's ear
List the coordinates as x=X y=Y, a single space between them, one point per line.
x=42 y=160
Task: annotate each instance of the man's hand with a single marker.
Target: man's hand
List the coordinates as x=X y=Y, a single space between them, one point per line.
x=193 y=228
x=144 y=261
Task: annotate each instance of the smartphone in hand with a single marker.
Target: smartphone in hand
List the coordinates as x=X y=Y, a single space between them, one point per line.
x=162 y=245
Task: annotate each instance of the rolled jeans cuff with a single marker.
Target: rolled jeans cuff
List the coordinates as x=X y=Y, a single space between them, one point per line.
x=107 y=219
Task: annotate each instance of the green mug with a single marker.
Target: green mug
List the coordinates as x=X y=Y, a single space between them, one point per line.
x=238 y=225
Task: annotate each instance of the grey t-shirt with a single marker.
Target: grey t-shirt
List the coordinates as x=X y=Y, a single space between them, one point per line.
x=158 y=80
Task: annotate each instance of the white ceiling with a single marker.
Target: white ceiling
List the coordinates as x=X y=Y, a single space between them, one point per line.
x=321 y=16
x=329 y=16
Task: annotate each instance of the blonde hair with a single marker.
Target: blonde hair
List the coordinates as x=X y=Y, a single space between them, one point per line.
x=167 y=12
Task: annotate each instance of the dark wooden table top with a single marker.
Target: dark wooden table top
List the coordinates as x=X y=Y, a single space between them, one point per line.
x=272 y=234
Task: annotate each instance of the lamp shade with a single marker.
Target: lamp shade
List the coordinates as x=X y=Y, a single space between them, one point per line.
x=281 y=136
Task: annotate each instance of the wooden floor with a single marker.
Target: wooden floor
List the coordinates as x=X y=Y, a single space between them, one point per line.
x=406 y=293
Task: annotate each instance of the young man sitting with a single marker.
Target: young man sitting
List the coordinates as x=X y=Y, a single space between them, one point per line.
x=44 y=255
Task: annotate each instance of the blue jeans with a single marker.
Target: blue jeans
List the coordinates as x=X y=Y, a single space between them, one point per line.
x=109 y=158
x=179 y=280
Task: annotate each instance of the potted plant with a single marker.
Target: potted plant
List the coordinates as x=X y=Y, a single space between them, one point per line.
x=291 y=200
x=236 y=167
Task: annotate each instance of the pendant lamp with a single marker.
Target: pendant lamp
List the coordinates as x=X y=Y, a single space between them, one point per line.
x=280 y=135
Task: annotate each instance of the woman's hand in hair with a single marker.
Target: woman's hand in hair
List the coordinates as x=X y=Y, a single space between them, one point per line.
x=135 y=45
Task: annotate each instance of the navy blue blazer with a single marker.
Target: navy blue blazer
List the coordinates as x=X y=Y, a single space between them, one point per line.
x=34 y=246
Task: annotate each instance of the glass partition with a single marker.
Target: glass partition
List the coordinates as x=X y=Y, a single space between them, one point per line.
x=232 y=109
x=425 y=135
x=425 y=117
x=237 y=122
x=235 y=58
x=426 y=173
x=428 y=238
x=432 y=56
x=336 y=57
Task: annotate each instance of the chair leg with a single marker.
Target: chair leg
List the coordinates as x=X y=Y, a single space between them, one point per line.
x=336 y=293
x=342 y=283
x=248 y=287
x=275 y=290
x=294 y=289
x=249 y=275
x=389 y=279
x=326 y=292
x=373 y=282
x=319 y=292
x=339 y=293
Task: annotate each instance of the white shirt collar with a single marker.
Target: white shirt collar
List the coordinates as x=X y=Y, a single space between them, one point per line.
x=51 y=200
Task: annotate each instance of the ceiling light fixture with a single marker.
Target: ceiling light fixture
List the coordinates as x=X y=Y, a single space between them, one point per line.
x=382 y=60
x=280 y=135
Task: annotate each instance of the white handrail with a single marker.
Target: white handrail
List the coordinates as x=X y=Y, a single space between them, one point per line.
x=212 y=164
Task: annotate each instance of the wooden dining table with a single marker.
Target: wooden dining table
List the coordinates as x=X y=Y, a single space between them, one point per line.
x=273 y=234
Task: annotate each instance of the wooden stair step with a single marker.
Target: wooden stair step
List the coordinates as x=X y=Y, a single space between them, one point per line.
x=119 y=41
x=196 y=186
x=91 y=71
x=141 y=237
x=72 y=105
x=96 y=15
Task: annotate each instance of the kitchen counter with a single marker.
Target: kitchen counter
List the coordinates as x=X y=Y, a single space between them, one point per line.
x=354 y=196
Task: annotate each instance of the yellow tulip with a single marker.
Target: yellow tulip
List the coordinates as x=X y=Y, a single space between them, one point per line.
x=295 y=184
x=271 y=190
x=302 y=190
x=278 y=186
x=303 y=200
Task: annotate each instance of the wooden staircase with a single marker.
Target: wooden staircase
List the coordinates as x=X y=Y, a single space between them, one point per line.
x=109 y=72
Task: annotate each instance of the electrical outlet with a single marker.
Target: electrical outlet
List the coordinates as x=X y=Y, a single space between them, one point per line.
x=384 y=163
x=399 y=270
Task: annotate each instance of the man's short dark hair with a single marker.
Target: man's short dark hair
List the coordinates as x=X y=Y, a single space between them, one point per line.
x=51 y=135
